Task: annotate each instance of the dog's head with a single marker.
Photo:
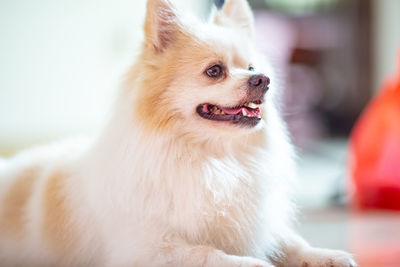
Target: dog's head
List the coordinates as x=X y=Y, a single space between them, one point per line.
x=200 y=77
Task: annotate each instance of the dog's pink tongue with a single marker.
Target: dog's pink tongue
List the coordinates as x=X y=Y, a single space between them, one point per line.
x=231 y=111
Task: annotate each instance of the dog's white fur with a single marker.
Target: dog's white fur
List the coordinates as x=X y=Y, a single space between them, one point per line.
x=167 y=188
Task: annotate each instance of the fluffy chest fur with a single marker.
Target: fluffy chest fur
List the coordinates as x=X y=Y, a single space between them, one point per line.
x=172 y=189
x=213 y=202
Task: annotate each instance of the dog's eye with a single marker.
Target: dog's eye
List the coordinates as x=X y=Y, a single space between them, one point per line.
x=215 y=71
x=251 y=68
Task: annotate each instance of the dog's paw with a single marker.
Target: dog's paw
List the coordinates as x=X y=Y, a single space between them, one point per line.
x=315 y=257
x=236 y=261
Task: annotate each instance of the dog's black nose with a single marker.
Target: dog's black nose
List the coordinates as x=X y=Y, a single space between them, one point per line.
x=259 y=81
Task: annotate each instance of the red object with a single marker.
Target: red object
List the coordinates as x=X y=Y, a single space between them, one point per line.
x=375 y=150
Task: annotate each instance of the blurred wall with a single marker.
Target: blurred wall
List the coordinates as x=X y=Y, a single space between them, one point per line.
x=61 y=63
x=386 y=39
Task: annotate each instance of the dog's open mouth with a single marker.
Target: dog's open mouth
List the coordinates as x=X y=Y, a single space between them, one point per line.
x=247 y=114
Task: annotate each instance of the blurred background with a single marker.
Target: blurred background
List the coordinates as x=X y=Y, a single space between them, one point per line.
x=61 y=63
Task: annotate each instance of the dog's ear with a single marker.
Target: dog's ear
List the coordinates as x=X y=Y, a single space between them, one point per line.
x=161 y=25
x=236 y=13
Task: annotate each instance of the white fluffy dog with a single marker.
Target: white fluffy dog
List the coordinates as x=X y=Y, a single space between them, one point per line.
x=194 y=168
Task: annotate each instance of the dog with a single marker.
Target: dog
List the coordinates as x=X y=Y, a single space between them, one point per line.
x=193 y=169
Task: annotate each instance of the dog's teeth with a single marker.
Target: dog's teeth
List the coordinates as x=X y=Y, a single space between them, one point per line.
x=244 y=112
x=222 y=112
x=217 y=111
x=252 y=105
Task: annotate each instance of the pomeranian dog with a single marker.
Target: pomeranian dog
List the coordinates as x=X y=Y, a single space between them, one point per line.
x=193 y=169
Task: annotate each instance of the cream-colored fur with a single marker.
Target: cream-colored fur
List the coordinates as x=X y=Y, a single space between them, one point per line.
x=162 y=186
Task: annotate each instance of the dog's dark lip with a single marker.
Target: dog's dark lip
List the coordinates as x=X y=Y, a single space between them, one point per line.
x=238 y=119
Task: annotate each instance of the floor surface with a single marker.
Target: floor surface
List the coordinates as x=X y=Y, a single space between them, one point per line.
x=373 y=237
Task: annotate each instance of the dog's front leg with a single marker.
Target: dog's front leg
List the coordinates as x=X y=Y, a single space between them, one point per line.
x=296 y=252
x=198 y=256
